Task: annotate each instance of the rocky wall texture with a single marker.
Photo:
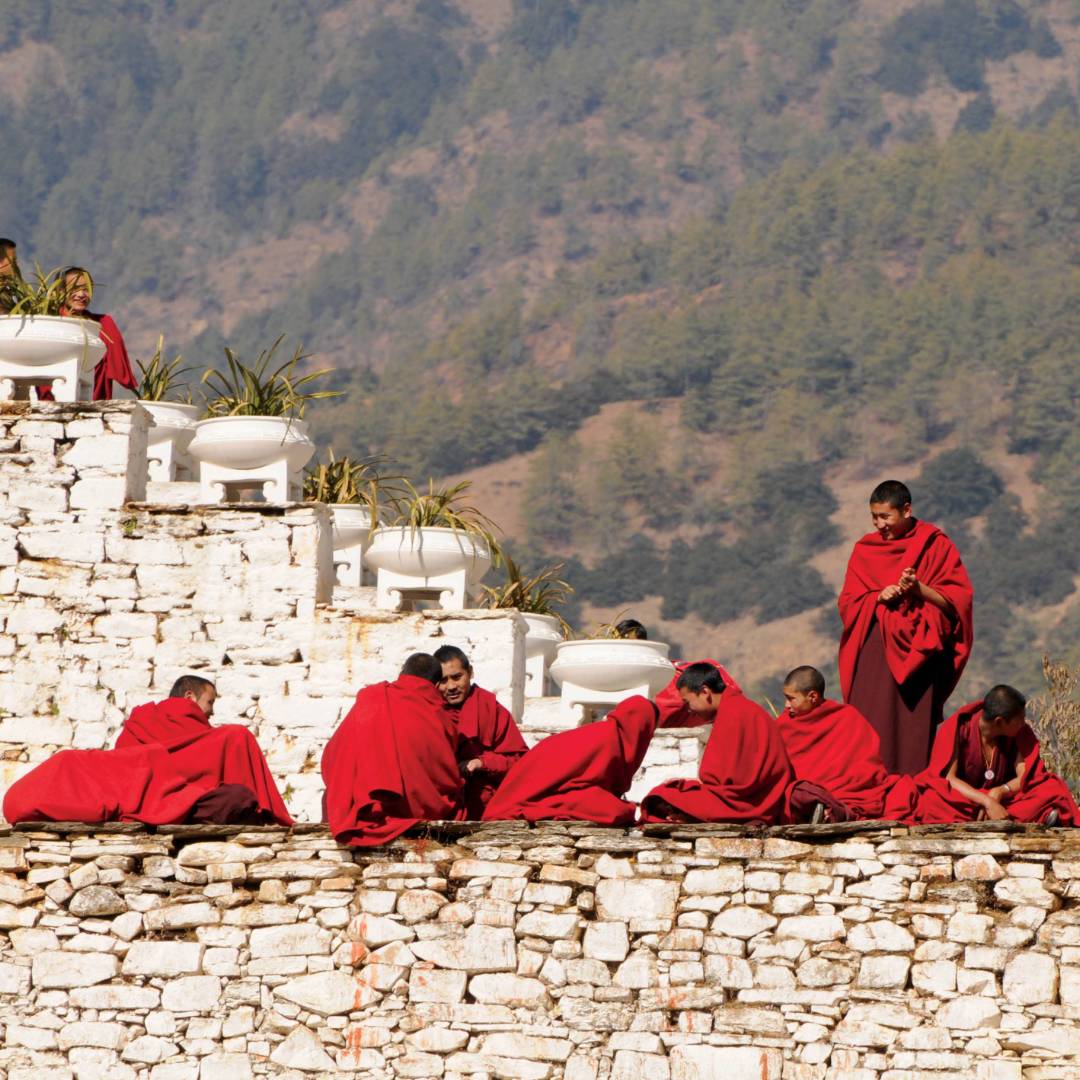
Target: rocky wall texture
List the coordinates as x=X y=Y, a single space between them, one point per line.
x=105 y=600
x=564 y=951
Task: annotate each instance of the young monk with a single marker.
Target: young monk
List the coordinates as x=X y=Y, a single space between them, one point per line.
x=489 y=742
x=834 y=752
x=744 y=771
x=580 y=775
x=226 y=759
x=674 y=712
x=9 y=273
x=986 y=765
x=393 y=760
x=114 y=366
x=906 y=609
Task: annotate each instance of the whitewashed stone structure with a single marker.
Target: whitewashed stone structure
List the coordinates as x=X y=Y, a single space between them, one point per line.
x=563 y=952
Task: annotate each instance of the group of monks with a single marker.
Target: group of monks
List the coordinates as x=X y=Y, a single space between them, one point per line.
x=434 y=746
x=78 y=290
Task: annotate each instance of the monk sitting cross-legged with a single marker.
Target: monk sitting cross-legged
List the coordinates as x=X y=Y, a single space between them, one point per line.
x=744 y=771
x=227 y=759
x=580 y=775
x=986 y=765
x=906 y=608
x=488 y=739
x=834 y=752
x=393 y=760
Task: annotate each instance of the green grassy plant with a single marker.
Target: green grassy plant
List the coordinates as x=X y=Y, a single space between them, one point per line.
x=43 y=295
x=159 y=377
x=443 y=508
x=349 y=481
x=542 y=593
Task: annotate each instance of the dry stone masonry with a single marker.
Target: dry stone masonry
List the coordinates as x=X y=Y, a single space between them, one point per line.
x=563 y=951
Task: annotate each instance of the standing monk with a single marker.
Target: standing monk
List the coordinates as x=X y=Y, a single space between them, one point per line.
x=744 y=771
x=835 y=754
x=906 y=609
x=488 y=739
x=393 y=760
x=986 y=765
x=226 y=758
x=580 y=775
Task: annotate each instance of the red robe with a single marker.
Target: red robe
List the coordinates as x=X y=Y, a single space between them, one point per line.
x=958 y=738
x=580 y=775
x=391 y=763
x=486 y=730
x=673 y=710
x=915 y=659
x=205 y=754
x=744 y=771
x=114 y=366
x=136 y=784
x=834 y=747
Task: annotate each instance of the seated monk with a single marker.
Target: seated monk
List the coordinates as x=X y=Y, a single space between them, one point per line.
x=985 y=765
x=226 y=758
x=835 y=754
x=488 y=739
x=393 y=760
x=674 y=711
x=744 y=771
x=95 y=786
x=580 y=775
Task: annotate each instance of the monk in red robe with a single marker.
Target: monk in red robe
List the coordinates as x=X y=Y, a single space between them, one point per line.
x=226 y=758
x=488 y=739
x=93 y=786
x=9 y=274
x=580 y=775
x=834 y=752
x=393 y=760
x=744 y=772
x=906 y=610
x=674 y=712
x=986 y=765
x=114 y=366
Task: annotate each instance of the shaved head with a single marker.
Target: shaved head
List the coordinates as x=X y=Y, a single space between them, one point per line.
x=891 y=493
x=424 y=666
x=190 y=684
x=805 y=679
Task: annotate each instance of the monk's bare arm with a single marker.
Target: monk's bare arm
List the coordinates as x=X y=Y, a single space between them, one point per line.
x=994 y=810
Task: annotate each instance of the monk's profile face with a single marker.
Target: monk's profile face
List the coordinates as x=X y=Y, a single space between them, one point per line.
x=78 y=291
x=7 y=261
x=801 y=701
x=455 y=683
x=700 y=703
x=891 y=523
x=999 y=727
x=205 y=699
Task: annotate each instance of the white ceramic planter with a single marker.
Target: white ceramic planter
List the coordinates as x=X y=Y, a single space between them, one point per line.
x=598 y=674
x=543 y=635
x=417 y=563
x=352 y=527
x=40 y=349
x=168 y=440
x=247 y=451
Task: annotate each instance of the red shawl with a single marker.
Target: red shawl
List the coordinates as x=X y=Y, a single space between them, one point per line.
x=834 y=747
x=673 y=710
x=114 y=366
x=912 y=629
x=391 y=763
x=580 y=775
x=958 y=738
x=204 y=754
x=136 y=784
x=486 y=730
x=744 y=771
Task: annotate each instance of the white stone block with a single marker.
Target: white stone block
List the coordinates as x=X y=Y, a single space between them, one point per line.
x=1030 y=978
x=479 y=949
x=62 y=970
x=328 y=993
x=606 y=941
x=429 y=984
x=641 y=898
x=99 y=493
x=880 y=936
x=725 y=1063
x=108 y=1036
x=299 y=940
x=969 y=1013
x=302 y=1050
x=507 y=989
x=191 y=994
x=167 y=958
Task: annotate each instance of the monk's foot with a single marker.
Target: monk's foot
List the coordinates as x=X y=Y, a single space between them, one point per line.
x=820 y=814
x=1052 y=819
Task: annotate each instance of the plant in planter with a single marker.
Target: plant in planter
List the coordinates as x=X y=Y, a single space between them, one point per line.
x=538 y=598
x=38 y=345
x=433 y=543
x=354 y=491
x=174 y=421
x=254 y=435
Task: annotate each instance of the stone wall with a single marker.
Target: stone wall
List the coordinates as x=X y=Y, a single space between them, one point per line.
x=564 y=951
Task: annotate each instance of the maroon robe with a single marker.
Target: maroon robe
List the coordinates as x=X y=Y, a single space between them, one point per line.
x=391 y=763
x=114 y=366
x=486 y=730
x=214 y=756
x=744 y=772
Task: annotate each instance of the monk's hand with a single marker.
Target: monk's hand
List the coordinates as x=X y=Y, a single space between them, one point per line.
x=890 y=594
x=908 y=580
x=473 y=765
x=1001 y=793
x=995 y=811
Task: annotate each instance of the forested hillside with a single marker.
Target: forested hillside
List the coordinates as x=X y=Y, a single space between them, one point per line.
x=675 y=282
